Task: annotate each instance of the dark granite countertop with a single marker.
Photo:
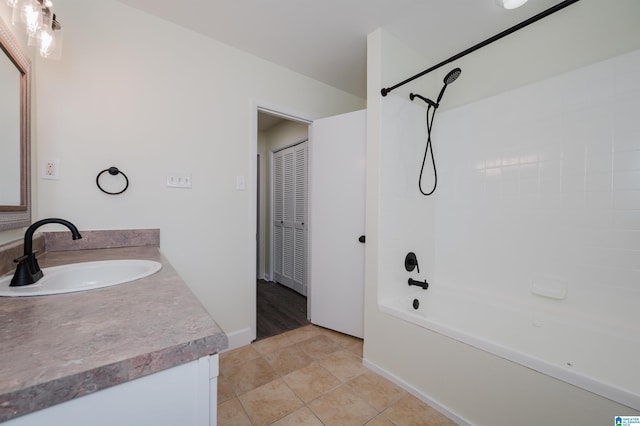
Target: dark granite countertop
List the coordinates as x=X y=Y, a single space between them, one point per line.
x=59 y=347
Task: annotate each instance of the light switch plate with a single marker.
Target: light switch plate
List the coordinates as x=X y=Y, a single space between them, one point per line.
x=240 y=183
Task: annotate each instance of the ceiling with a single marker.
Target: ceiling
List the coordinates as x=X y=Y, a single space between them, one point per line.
x=266 y=121
x=326 y=39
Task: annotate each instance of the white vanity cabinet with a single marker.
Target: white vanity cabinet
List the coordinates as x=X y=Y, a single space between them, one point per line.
x=182 y=395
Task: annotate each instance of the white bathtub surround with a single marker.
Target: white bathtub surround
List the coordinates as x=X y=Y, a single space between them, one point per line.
x=530 y=246
x=584 y=354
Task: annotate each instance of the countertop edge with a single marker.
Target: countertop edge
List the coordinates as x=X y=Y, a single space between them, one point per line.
x=67 y=388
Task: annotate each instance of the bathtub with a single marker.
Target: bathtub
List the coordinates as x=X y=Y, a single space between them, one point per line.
x=602 y=361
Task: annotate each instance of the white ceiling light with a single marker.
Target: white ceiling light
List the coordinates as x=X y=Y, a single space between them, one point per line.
x=511 y=4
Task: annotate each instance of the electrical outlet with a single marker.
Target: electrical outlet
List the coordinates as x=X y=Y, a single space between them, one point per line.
x=50 y=170
x=179 y=180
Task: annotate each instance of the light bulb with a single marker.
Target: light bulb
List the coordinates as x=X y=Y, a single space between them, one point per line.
x=31 y=15
x=511 y=4
x=46 y=42
x=50 y=42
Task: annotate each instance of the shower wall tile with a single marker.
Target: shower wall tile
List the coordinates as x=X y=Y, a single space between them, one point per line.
x=403 y=206
x=610 y=238
x=560 y=189
x=627 y=200
x=540 y=181
x=612 y=258
x=626 y=180
x=551 y=170
x=598 y=160
x=627 y=125
x=626 y=79
x=598 y=181
x=528 y=169
x=626 y=220
x=627 y=160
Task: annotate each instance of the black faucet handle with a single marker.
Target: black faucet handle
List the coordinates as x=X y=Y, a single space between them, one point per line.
x=21 y=259
x=411 y=262
x=24 y=257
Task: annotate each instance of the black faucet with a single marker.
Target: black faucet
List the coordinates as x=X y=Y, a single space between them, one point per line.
x=28 y=271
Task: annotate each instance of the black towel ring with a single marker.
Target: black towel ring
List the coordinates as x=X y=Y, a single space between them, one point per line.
x=113 y=171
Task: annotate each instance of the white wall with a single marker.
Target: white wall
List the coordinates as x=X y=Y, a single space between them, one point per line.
x=5 y=14
x=586 y=32
x=151 y=98
x=469 y=384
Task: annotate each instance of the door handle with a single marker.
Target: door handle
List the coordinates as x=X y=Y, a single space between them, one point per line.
x=362 y=239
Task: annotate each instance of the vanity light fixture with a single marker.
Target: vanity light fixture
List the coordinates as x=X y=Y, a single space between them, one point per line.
x=511 y=4
x=37 y=19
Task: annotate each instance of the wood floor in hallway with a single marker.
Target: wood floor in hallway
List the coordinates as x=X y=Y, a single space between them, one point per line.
x=279 y=309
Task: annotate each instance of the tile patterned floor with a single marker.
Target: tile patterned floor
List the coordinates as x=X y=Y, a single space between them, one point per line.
x=312 y=376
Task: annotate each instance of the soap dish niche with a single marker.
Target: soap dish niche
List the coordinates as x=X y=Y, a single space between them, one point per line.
x=550 y=287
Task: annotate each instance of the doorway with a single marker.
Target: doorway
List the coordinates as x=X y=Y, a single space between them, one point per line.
x=279 y=308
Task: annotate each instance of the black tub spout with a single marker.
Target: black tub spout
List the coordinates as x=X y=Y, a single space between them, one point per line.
x=424 y=284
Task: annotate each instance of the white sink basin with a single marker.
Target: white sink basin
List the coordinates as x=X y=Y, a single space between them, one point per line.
x=82 y=276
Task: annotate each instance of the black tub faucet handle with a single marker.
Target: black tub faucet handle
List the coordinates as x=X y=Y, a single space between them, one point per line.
x=411 y=262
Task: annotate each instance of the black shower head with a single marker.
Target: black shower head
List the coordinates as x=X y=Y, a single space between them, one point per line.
x=448 y=79
x=452 y=75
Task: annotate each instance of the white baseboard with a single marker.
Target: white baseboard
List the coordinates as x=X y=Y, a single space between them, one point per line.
x=239 y=338
x=417 y=393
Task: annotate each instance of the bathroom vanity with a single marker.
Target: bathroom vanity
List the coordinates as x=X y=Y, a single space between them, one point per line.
x=142 y=352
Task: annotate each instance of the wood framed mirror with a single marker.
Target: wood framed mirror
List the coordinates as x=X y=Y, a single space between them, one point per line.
x=15 y=132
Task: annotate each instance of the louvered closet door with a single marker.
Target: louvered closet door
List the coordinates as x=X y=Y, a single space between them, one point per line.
x=278 y=215
x=290 y=209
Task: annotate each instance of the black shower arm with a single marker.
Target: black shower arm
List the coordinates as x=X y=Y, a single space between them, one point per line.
x=482 y=44
x=412 y=96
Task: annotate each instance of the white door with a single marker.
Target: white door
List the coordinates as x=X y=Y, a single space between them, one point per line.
x=289 y=217
x=337 y=209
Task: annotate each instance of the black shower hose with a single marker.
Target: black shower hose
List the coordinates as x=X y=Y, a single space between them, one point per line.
x=426 y=151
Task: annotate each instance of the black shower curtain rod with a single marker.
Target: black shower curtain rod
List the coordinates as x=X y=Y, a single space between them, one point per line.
x=490 y=40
